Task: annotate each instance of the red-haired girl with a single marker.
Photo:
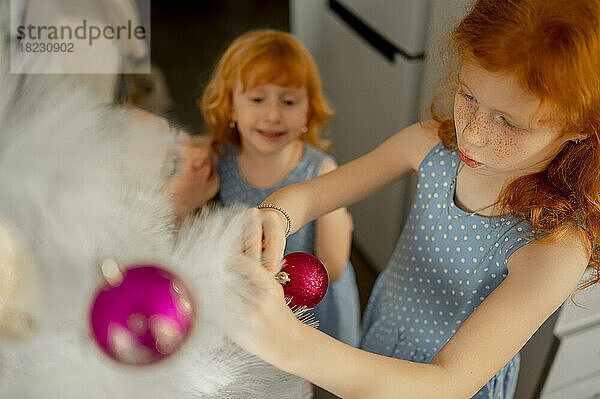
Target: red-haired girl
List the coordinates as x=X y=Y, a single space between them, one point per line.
x=505 y=220
x=264 y=106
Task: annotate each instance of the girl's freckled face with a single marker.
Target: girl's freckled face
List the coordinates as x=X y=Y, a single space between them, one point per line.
x=498 y=124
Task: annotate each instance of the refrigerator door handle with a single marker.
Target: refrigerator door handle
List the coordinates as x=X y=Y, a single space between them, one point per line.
x=386 y=48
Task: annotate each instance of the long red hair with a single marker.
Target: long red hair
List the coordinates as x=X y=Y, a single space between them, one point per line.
x=553 y=48
x=262 y=57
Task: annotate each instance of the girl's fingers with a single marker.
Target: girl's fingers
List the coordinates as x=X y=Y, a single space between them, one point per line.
x=265 y=280
x=253 y=245
x=265 y=238
x=273 y=241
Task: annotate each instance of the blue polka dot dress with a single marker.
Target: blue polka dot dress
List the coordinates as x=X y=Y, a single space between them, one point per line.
x=445 y=264
x=339 y=311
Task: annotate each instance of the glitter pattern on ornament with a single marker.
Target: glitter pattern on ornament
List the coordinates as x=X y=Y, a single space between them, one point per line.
x=304 y=279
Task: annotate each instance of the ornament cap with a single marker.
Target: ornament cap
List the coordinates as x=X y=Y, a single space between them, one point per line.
x=283 y=278
x=111 y=272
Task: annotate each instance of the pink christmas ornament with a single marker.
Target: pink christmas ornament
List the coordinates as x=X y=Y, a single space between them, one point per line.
x=304 y=279
x=142 y=315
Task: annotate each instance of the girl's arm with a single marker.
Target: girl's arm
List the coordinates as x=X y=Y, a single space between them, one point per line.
x=333 y=236
x=394 y=159
x=541 y=276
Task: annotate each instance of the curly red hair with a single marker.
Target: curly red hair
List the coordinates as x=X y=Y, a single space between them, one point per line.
x=261 y=57
x=553 y=48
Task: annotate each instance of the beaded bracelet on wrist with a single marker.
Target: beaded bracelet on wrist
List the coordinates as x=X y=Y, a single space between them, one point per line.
x=283 y=212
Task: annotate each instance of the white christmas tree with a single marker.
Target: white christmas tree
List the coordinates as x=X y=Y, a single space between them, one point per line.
x=79 y=184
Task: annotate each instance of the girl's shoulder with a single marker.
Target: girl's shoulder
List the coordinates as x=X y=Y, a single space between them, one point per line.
x=414 y=143
x=425 y=143
x=314 y=154
x=323 y=161
x=568 y=253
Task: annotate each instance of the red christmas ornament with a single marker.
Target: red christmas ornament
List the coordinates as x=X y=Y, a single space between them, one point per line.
x=304 y=279
x=142 y=315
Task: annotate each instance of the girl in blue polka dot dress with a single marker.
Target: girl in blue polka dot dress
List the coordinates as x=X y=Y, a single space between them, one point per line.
x=264 y=106
x=503 y=225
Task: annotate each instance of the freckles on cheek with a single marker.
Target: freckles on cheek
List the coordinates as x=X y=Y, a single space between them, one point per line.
x=461 y=113
x=505 y=147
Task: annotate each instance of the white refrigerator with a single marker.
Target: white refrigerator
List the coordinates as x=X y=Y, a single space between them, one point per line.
x=370 y=55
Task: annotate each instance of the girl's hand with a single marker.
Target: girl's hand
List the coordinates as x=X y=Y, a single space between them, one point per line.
x=270 y=322
x=192 y=179
x=268 y=239
x=269 y=326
